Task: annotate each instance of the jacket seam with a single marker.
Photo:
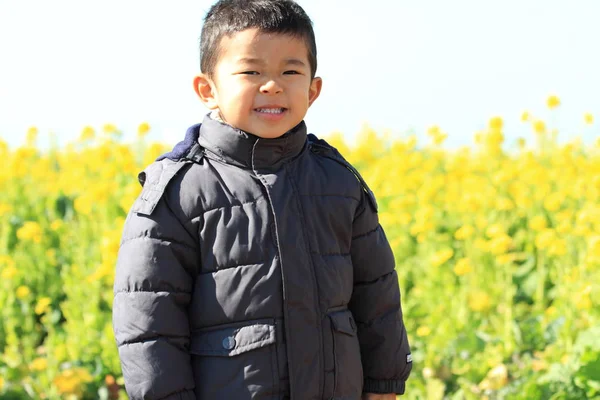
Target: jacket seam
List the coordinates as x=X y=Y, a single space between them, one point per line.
x=330 y=195
x=360 y=236
x=172 y=241
x=383 y=316
x=262 y=262
x=126 y=291
x=330 y=254
x=233 y=205
x=157 y=338
x=380 y=277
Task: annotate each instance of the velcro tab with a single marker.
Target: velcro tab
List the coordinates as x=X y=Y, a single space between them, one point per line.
x=155 y=179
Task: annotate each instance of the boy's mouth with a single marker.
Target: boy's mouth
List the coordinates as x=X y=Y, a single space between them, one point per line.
x=271 y=110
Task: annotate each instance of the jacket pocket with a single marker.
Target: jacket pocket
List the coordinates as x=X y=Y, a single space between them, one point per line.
x=236 y=361
x=348 y=371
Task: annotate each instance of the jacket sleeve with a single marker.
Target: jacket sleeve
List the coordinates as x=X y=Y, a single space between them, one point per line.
x=375 y=304
x=152 y=289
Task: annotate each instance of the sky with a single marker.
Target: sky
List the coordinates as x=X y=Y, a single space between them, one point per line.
x=396 y=65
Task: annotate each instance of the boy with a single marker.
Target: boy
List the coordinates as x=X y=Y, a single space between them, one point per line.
x=253 y=264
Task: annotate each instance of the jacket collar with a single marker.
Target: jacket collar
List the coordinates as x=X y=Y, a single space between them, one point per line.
x=244 y=149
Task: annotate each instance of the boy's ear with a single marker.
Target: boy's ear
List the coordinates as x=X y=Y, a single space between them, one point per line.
x=314 y=90
x=204 y=88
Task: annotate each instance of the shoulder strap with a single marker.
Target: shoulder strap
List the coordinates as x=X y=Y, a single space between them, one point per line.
x=321 y=147
x=159 y=174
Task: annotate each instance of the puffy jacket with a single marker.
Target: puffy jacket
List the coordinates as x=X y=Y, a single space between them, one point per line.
x=256 y=268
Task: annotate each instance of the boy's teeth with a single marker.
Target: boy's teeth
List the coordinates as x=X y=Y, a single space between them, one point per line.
x=270 y=110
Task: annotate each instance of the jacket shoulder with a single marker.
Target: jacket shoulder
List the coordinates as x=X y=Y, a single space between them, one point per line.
x=324 y=149
x=154 y=179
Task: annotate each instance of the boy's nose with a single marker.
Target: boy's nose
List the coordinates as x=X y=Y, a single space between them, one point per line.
x=271 y=87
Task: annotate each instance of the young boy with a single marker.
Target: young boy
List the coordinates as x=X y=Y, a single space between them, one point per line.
x=253 y=264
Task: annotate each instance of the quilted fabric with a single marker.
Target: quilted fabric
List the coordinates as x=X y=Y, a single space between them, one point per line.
x=259 y=271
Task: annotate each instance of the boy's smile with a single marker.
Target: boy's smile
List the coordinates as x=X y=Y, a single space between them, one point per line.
x=262 y=82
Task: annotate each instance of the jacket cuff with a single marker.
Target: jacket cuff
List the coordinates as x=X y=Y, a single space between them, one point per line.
x=384 y=386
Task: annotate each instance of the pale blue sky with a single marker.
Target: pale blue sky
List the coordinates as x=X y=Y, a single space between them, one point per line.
x=396 y=64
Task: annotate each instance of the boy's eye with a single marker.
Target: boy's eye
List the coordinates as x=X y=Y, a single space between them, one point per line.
x=249 y=73
x=291 y=72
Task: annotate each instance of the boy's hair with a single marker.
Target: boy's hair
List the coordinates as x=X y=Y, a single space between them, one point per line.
x=227 y=17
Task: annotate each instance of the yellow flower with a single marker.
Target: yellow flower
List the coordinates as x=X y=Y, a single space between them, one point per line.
x=553 y=202
x=22 y=292
x=32 y=134
x=143 y=129
x=594 y=246
x=539 y=126
x=87 y=133
x=9 y=272
x=57 y=224
x=496 y=379
x=553 y=102
x=109 y=129
x=30 y=231
x=582 y=298
x=544 y=239
x=496 y=123
x=525 y=116
x=5 y=209
x=521 y=142
x=494 y=230
x=42 y=305
x=505 y=204
x=71 y=381
x=500 y=244
x=7 y=266
x=39 y=364
x=433 y=130
x=588 y=118
x=463 y=267
x=479 y=301
x=558 y=247
x=537 y=223
x=464 y=232
x=423 y=331
x=441 y=256
x=506 y=258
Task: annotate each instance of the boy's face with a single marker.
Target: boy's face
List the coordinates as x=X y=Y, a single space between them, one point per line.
x=262 y=83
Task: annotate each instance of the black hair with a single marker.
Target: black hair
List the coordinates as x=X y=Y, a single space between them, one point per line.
x=227 y=17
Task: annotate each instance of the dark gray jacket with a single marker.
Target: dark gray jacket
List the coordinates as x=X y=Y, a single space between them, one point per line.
x=257 y=268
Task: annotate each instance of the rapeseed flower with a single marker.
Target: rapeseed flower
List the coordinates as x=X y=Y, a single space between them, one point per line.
x=423 y=331
x=537 y=223
x=23 y=292
x=479 y=301
x=30 y=231
x=553 y=102
x=71 y=381
x=463 y=267
x=87 y=133
x=464 y=232
x=539 y=126
x=39 y=364
x=42 y=305
x=441 y=256
x=588 y=118
x=143 y=129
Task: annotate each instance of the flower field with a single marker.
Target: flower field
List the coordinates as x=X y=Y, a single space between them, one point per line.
x=498 y=254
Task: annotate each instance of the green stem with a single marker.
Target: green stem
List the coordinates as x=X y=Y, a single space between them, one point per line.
x=541 y=275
